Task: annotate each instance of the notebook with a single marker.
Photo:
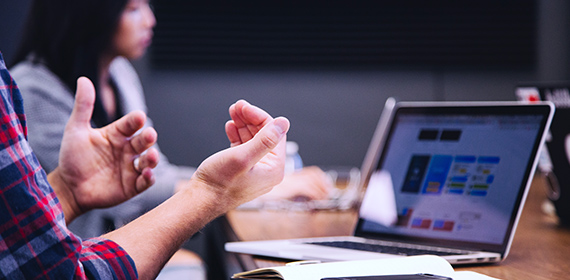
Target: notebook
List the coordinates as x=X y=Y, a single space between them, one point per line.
x=458 y=175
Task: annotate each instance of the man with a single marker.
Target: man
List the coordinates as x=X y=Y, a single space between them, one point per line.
x=103 y=167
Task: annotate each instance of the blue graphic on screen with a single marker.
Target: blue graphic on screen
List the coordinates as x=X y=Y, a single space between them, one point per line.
x=415 y=173
x=484 y=175
x=460 y=173
x=437 y=174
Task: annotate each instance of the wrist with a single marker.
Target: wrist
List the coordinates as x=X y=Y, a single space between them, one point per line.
x=209 y=198
x=65 y=196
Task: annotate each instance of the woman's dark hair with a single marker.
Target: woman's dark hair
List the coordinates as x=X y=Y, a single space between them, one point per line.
x=69 y=37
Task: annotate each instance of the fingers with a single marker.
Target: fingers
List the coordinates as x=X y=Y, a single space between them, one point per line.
x=251 y=114
x=319 y=182
x=318 y=190
x=145 y=180
x=147 y=160
x=122 y=129
x=233 y=134
x=318 y=175
x=84 y=102
x=268 y=138
x=248 y=119
x=128 y=124
x=310 y=183
x=235 y=115
x=143 y=165
x=144 y=140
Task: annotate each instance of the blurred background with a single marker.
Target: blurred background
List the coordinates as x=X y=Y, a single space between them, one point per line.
x=330 y=65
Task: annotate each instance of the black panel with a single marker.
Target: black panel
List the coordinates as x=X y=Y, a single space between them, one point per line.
x=345 y=33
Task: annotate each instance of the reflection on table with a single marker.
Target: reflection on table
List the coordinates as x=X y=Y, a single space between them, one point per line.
x=540 y=250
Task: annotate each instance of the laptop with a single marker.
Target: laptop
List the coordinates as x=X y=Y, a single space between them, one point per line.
x=459 y=173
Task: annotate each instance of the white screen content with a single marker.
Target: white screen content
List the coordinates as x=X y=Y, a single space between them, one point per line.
x=455 y=177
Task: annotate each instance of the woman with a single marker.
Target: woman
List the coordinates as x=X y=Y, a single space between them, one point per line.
x=66 y=39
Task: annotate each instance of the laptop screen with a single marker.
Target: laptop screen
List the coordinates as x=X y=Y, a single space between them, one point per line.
x=458 y=173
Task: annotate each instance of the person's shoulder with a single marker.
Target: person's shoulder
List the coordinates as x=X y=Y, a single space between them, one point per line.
x=128 y=84
x=38 y=84
x=28 y=68
x=122 y=65
x=28 y=74
x=124 y=73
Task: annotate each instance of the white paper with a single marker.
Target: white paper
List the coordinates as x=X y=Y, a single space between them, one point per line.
x=406 y=265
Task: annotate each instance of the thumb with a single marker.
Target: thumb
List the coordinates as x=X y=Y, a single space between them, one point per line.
x=267 y=139
x=84 y=102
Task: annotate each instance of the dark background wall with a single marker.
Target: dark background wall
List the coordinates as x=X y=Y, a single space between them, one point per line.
x=333 y=107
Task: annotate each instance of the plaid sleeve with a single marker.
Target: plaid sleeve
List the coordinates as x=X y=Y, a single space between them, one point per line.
x=104 y=259
x=34 y=240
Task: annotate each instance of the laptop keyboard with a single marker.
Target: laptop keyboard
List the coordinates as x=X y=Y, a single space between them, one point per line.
x=379 y=248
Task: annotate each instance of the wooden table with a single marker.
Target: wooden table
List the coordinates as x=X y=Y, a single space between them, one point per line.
x=540 y=250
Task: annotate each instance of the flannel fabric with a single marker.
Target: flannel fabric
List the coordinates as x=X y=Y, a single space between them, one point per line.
x=34 y=240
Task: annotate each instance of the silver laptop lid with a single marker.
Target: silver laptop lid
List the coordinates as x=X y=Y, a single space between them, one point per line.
x=460 y=170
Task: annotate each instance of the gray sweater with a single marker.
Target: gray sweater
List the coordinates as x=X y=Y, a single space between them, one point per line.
x=48 y=103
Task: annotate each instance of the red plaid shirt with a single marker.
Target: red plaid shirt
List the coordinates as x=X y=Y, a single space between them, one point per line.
x=34 y=240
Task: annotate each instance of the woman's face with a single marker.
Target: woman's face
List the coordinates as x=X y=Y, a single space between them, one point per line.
x=134 y=33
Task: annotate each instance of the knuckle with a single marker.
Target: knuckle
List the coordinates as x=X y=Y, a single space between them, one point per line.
x=269 y=142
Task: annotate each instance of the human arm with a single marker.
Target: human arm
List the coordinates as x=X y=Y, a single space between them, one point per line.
x=310 y=183
x=250 y=167
x=96 y=165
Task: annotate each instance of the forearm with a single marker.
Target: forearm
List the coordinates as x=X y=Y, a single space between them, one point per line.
x=152 y=238
x=253 y=164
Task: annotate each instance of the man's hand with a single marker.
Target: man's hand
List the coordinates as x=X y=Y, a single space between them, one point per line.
x=96 y=166
x=253 y=164
x=309 y=183
x=255 y=161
